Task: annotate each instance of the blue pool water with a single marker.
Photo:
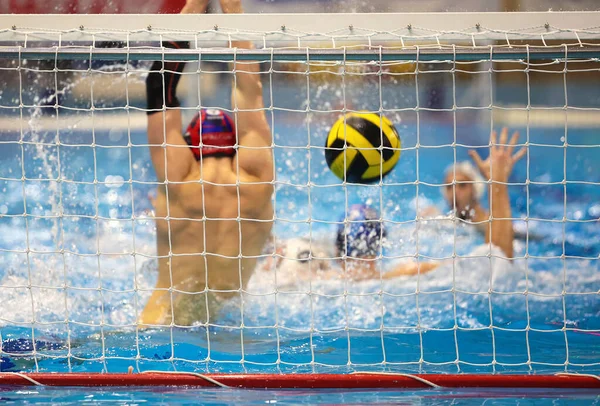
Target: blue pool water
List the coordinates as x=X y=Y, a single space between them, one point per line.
x=389 y=326
x=178 y=396
x=540 y=313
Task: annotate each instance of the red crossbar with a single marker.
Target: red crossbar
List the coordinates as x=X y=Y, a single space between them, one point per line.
x=305 y=381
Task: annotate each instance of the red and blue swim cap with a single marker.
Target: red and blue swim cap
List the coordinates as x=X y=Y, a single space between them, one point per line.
x=217 y=132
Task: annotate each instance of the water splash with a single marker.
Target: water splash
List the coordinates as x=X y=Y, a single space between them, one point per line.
x=39 y=285
x=99 y=292
x=39 y=139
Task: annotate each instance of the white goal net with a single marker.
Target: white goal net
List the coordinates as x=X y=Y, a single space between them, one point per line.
x=455 y=286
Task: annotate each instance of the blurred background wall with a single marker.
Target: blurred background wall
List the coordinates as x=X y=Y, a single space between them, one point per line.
x=509 y=86
x=297 y=6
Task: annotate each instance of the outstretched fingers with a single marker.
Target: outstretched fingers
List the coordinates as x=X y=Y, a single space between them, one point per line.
x=493 y=138
x=477 y=159
x=520 y=154
x=504 y=136
x=513 y=141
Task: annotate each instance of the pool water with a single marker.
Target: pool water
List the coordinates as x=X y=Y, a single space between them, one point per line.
x=178 y=396
x=389 y=325
x=66 y=308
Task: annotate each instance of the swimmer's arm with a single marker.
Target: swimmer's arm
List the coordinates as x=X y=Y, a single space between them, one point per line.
x=254 y=135
x=500 y=231
x=361 y=273
x=173 y=161
x=247 y=91
x=410 y=269
x=171 y=157
x=498 y=167
x=429 y=212
x=247 y=98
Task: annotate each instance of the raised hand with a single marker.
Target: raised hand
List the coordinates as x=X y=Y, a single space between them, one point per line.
x=499 y=165
x=231 y=6
x=195 y=7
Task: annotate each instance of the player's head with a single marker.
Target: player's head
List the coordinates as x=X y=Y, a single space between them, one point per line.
x=464 y=194
x=297 y=258
x=217 y=132
x=362 y=233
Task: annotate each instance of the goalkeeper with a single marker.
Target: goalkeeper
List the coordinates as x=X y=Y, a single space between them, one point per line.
x=213 y=205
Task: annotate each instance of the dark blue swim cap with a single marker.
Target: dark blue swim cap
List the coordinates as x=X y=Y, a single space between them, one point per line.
x=361 y=234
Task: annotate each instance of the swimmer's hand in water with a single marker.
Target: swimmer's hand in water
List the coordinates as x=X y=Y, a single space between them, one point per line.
x=499 y=165
x=429 y=212
x=410 y=269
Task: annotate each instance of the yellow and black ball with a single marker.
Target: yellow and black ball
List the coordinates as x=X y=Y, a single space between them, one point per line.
x=362 y=147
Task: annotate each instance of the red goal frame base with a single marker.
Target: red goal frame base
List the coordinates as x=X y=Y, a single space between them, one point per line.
x=303 y=381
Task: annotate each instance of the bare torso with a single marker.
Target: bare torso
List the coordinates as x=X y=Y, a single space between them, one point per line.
x=214 y=232
x=213 y=216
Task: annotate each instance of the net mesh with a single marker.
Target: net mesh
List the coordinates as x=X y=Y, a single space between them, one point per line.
x=77 y=218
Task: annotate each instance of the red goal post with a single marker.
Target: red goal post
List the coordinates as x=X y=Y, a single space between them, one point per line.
x=304 y=381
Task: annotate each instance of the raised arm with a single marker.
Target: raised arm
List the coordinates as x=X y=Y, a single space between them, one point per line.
x=195 y=7
x=254 y=134
x=171 y=158
x=497 y=168
x=172 y=161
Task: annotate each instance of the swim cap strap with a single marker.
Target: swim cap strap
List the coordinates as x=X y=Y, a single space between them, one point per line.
x=171 y=73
